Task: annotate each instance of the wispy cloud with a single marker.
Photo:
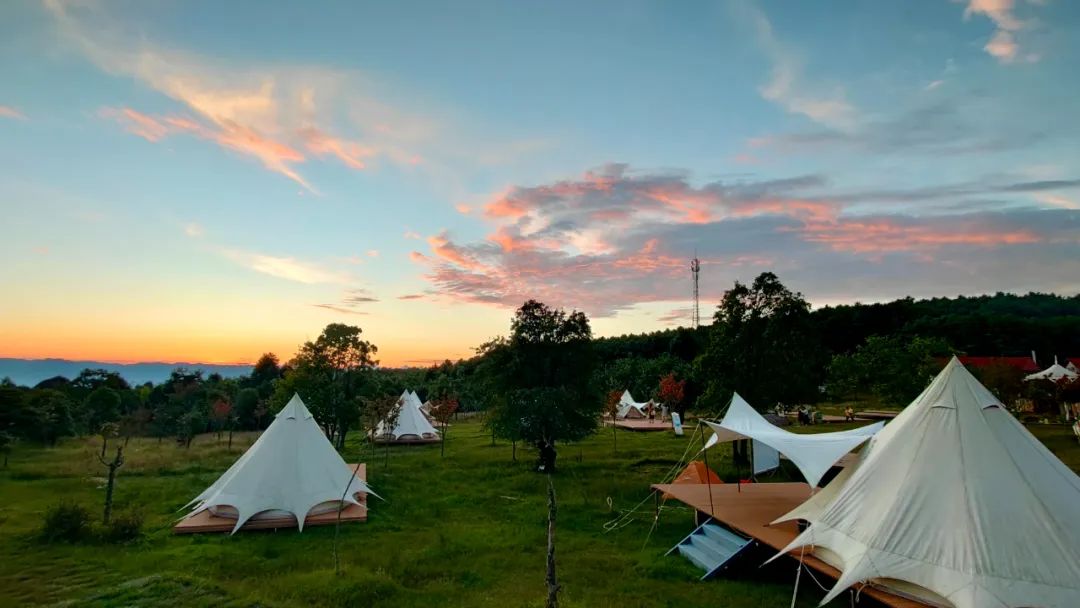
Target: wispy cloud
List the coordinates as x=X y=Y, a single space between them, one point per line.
x=790 y=88
x=10 y=112
x=340 y=309
x=411 y=296
x=194 y=230
x=288 y=268
x=1002 y=45
x=275 y=156
x=943 y=127
x=287 y=115
x=269 y=112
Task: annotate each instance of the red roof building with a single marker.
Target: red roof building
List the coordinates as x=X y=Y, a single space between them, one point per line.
x=1025 y=364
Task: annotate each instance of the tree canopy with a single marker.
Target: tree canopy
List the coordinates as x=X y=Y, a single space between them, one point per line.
x=544 y=373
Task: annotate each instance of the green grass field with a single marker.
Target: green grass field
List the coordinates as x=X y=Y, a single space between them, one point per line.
x=464 y=530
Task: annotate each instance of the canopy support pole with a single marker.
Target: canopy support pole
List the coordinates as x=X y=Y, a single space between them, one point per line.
x=708 y=471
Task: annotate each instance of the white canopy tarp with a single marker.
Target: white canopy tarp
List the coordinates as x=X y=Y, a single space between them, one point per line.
x=1055 y=372
x=814 y=454
x=954 y=502
x=628 y=408
x=765 y=458
x=411 y=422
x=291 y=468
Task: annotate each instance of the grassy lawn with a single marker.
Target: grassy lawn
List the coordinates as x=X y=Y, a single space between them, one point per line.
x=464 y=530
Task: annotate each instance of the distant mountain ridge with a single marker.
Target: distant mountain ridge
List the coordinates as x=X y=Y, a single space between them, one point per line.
x=28 y=372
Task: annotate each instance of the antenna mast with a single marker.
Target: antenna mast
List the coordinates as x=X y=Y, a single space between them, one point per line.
x=695 y=270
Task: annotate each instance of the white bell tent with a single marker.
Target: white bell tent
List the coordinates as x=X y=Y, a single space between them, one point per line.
x=412 y=424
x=628 y=408
x=290 y=470
x=1053 y=373
x=814 y=454
x=954 y=503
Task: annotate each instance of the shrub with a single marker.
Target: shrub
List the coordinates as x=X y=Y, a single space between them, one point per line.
x=124 y=527
x=65 y=522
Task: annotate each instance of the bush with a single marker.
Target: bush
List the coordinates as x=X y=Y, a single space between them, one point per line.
x=124 y=528
x=66 y=522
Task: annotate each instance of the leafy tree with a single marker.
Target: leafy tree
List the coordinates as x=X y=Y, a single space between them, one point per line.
x=442 y=410
x=221 y=415
x=16 y=415
x=102 y=405
x=89 y=380
x=267 y=370
x=544 y=373
x=671 y=392
x=337 y=362
x=611 y=410
x=762 y=344
x=59 y=383
x=893 y=369
x=6 y=441
x=53 y=409
x=247 y=402
x=190 y=425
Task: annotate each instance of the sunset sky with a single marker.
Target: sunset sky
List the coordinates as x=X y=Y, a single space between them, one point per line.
x=204 y=181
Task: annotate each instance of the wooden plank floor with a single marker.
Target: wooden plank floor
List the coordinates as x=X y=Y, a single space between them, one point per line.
x=207 y=522
x=639 y=424
x=750 y=510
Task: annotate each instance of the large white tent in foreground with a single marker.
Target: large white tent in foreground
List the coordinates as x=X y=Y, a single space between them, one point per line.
x=954 y=503
x=814 y=454
x=290 y=470
x=412 y=424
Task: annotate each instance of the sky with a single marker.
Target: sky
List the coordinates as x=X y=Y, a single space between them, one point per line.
x=206 y=181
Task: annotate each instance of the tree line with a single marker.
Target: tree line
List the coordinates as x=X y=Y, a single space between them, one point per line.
x=764 y=341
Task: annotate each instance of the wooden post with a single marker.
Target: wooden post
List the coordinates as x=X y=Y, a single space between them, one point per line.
x=551 y=580
x=113 y=465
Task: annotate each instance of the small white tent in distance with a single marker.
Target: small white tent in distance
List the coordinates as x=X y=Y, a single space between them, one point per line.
x=412 y=424
x=628 y=408
x=1053 y=373
x=290 y=470
x=954 y=503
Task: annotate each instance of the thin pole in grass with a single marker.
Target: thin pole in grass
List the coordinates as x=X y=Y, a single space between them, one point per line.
x=337 y=524
x=708 y=471
x=551 y=579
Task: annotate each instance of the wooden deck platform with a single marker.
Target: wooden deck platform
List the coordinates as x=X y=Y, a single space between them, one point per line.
x=827 y=418
x=408 y=441
x=206 y=522
x=876 y=414
x=749 y=512
x=640 y=424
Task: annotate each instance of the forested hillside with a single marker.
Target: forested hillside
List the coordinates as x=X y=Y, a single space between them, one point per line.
x=763 y=341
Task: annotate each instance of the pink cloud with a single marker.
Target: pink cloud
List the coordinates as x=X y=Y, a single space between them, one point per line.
x=613 y=238
x=885 y=235
x=274 y=155
x=10 y=112
x=353 y=154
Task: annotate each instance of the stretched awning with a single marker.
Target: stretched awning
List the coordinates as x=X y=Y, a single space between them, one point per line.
x=814 y=454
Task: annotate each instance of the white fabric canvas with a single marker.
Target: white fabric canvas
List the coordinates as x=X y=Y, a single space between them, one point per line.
x=628 y=408
x=411 y=421
x=954 y=502
x=765 y=458
x=814 y=454
x=1055 y=372
x=291 y=468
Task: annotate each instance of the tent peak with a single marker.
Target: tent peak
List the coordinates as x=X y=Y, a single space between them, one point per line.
x=295 y=408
